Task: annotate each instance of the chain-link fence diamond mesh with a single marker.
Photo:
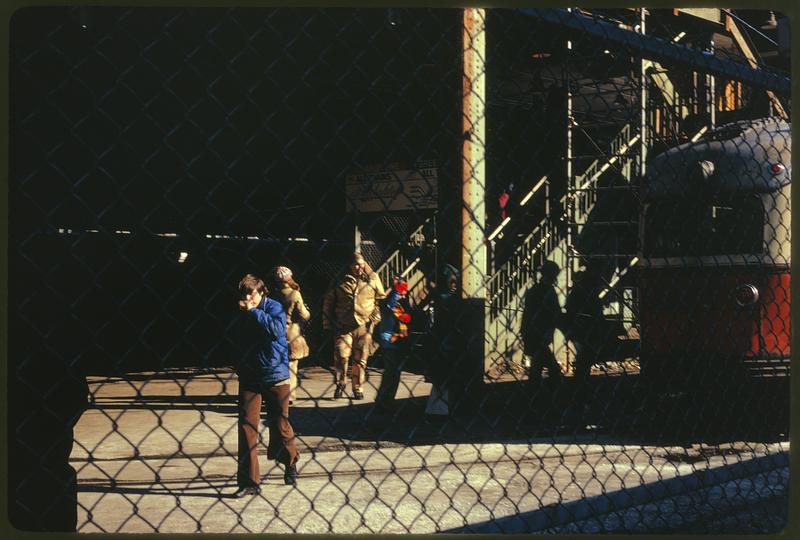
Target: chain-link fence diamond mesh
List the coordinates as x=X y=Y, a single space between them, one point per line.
x=568 y=308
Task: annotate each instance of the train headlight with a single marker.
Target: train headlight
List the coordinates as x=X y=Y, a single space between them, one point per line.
x=745 y=295
x=777 y=168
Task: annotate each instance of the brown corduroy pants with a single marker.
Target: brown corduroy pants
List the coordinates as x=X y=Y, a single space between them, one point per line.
x=281 y=446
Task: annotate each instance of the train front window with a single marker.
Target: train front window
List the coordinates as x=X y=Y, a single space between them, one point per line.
x=696 y=227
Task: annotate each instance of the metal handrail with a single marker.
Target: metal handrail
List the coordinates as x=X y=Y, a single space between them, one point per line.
x=586 y=197
x=397 y=263
x=512 y=276
x=515 y=273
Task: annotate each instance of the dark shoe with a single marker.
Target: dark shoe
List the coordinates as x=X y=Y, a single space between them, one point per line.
x=246 y=492
x=290 y=475
x=358 y=394
x=339 y=392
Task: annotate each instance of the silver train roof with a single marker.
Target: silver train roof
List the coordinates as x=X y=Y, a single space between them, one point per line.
x=731 y=158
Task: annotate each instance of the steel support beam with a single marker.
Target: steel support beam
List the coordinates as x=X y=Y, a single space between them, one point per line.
x=473 y=211
x=644 y=136
x=733 y=28
x=661 y=50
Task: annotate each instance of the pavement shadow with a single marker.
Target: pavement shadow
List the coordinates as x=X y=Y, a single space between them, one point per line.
x=222 y=403
x=606 y=410
x=173 y=374
x=184 y=491
x=606 y=513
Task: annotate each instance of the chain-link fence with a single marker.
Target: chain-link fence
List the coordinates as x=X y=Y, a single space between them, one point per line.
x=570 y=312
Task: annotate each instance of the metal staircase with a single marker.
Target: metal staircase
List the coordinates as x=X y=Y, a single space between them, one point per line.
x=508 y=283
x=583 y=197
x=513 y=277
x=400 y=263
x=555 y=237
x=661 y=115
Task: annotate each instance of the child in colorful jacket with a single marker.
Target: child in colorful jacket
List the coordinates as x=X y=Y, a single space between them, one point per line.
x=392 y=337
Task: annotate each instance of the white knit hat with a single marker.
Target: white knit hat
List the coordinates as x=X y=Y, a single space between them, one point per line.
x=283 y=273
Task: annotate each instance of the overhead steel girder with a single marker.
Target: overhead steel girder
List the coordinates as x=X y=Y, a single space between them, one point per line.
x=654 y=48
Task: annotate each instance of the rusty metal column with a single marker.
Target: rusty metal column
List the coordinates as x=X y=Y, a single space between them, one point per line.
x=473 y=175
x=472 y=366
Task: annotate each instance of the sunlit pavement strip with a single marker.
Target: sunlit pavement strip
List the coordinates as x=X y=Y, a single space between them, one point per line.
x=748 y=496
x=419 y=489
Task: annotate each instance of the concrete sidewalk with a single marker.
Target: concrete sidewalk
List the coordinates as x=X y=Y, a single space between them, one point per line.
x=193 y=413
x=187 y=413
x=157 y=452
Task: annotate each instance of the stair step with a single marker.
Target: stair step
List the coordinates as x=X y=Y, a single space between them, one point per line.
x=605 y=223
x=628 y=187
x=603 y=255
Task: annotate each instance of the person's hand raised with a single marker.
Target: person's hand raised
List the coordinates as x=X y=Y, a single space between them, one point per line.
x=251 y=300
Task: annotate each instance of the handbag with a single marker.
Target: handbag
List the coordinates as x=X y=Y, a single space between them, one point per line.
x=298 y=346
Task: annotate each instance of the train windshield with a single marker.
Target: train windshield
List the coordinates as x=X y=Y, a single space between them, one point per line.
x=696 y=227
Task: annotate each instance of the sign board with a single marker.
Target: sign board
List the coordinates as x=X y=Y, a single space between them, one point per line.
x=393 y=187
x=710 y=14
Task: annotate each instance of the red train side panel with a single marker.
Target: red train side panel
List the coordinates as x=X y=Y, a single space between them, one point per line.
x=692 y=313
x=775 y=334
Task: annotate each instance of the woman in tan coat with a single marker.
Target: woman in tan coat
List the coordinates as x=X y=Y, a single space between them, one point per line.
x=287 y=292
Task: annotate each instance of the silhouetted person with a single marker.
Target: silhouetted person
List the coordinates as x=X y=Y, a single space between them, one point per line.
x=584 y=317
x=445 y=346
x=541 y=316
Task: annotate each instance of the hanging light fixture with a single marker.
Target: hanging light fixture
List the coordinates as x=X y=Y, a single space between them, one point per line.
x=84 y=17
x=394 y=18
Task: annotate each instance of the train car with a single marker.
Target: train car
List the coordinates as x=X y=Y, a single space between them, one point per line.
x=714 y=267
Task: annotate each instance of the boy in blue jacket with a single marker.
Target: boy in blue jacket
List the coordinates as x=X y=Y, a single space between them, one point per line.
x=263 y=371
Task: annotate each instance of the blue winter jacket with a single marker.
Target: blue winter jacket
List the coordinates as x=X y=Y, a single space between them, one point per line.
x=261 y=344
x=388 y=325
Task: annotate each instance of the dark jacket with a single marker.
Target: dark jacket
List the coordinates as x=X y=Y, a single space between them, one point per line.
x=541 y=316
x=260 y=342
x=445 y=343
x=583 y=308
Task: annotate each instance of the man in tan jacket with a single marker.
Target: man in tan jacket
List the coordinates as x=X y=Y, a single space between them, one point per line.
x=350 y=310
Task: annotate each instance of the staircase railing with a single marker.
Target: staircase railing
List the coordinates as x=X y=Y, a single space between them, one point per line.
x=399 y=263
x=513 y=275
x=585 y=192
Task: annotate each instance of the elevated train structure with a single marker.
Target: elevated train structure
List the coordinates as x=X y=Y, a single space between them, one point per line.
x=680 y=87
